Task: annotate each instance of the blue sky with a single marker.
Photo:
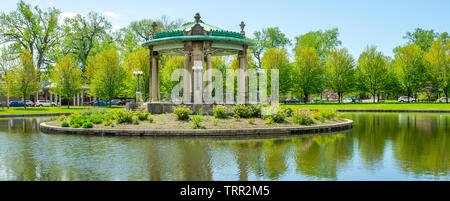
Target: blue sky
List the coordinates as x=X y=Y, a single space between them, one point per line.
x=382 y=23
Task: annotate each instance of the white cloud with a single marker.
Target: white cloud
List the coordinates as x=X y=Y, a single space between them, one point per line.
x=111 y=14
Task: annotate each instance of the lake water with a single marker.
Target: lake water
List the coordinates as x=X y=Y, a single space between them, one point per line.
x=381 y=146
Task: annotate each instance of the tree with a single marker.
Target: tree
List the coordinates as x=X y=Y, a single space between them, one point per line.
x=372 y=70
x=106 y=75
x=172 y=64
x=23 y=79
x=438 y=63
x=32 y=29
x=339 y=71
x=422 y=38
x=409 y=68
x=322 y=41
x=138 y=60
x=270 y=37
x=84 y=33
x=308 y=72
x=66 y=78
x=277 y=58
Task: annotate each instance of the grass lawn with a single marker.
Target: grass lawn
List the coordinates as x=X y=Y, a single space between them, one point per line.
x=381 y=106
x=35 y=110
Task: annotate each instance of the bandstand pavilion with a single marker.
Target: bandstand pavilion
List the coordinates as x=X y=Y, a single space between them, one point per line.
x=197 y=42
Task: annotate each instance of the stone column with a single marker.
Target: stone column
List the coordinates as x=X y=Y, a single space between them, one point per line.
x=51 y=99
x=198 y=61
x=187 y=78
x=82 y=98
x=74 y=100
x=209 y=86
x=242 y=78
x=155 y=78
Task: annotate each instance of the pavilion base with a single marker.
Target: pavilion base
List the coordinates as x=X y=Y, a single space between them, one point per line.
x=163 y=108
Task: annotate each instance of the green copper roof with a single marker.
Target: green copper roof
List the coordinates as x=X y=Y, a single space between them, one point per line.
x=197 y=37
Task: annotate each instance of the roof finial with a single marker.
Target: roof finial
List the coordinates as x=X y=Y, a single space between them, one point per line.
x=154 y=26
x=197 y=18
x=242 y=28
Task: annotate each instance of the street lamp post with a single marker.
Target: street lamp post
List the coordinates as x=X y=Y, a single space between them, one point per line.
x=258 y=73
x=138 y=92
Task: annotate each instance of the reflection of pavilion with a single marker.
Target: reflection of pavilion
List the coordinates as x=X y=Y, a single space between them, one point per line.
x=197 y=42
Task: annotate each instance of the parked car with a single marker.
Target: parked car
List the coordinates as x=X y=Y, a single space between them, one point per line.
x=16 y=104
x=114 y=101
x=405 y=99
x=347 y=100
x=292 y=101
x=121 y=103
x=442 y=100
x=44 y=103
x=101 y=103
x=29 y=103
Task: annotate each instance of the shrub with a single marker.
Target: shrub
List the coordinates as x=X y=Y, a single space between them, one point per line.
x=197 y=120
x=241 y=111
x=220 y=112
x=182 y=113
x=75 y=125
x=142 y=115
x=135 y=120
x=279 y=116
x=302 y=117
x=288 y=111
x=65 y=124
x=150 y=118
x=62 y=117
x=318 y=116
x=269 y=121
x=122 y=116
x=96 y=118
x=251 y=121
x=328 y=114
x=216 y=121
x=88 y=125
x=255 y=111
x=109 y=122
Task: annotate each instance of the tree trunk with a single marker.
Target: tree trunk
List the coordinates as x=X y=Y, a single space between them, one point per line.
x=306 y=98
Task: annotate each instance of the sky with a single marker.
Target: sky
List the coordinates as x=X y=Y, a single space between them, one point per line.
x=382 y=23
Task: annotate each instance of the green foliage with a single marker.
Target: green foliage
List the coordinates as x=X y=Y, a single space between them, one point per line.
x=288 y=111
x=88 y=125
x=269 y=121
x=23 y=79
x=255 y=111
x=109 y=122
x=409 y=68
x=270 y=37
x=138 y=60
x=96 y=118
x=277 y=58
x=66 y=78
x=372 y=71
x=220 y=112
x=65 y=124
x=123 y=117
x=182 y=113
x=251 y=121
x=322 y=41
x=302 y=117
x=421 y=37
x=135 y=120
x=105 y=73
x=62 y=118
x=150 y=118
x=339 y=72
x=197 y=122
x=142 y=115
x=279 y=116
x=308 y=72
x=241 y=111
x=75 y=125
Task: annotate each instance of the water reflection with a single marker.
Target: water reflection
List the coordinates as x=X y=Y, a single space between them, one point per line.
x=380 y=147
